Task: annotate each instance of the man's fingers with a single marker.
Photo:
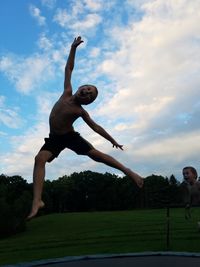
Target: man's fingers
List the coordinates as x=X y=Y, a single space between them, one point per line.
x=118 y=146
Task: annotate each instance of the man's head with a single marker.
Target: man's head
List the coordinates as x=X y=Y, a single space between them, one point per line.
x=190 y=174
x=86 y=94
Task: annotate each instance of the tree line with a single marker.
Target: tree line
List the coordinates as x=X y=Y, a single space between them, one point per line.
x=84 y=191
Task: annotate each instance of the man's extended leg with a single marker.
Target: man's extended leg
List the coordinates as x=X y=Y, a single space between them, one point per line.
x=38 y=180
x=110 y=161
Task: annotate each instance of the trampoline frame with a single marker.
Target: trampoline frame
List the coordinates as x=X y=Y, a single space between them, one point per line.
x=68 y=259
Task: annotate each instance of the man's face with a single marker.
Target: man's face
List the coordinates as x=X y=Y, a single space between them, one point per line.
x=86 y=94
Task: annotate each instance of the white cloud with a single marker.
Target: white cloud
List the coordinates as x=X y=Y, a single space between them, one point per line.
x=2 y=133
x=44 y=43
x=49 y=3
x=77 y=19
x=20 y=161
x=5 y=63
x=62 y=17
x=9 y=116
x=36 y=13
x=90 y=21
x=94 y=5
x=77 y=9
x=95 y=52
x=157 y=58
x=26 y=73
x=2 y=100
x=45 y=102
x=178 y=149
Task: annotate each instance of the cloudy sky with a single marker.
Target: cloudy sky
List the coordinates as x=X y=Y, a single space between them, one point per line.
x=144 y=57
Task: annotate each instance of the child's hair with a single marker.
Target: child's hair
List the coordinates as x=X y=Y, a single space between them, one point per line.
x=193 y=170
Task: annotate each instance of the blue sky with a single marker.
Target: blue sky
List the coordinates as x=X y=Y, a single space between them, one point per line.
x=144 y=57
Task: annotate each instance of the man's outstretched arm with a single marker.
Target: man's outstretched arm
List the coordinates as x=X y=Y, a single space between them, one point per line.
x=98 y=129
x=70 y=66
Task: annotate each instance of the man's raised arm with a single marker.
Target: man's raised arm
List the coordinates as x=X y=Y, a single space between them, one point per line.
x=70 y=66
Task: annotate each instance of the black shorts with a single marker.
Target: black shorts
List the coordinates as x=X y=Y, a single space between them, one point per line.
x=72 y=140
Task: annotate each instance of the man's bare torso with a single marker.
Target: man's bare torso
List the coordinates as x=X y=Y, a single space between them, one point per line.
x=63 y=114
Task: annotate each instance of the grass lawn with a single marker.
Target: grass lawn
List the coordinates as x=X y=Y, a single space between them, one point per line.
x=68 y=234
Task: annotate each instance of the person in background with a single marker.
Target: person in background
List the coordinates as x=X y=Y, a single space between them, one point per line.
x=190 y=189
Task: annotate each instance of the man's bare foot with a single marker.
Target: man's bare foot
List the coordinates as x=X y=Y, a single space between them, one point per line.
x=35 y=208
x=136 y=178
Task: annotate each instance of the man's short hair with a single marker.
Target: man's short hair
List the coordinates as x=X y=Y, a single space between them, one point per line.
x=93 y=87
x=90 y=85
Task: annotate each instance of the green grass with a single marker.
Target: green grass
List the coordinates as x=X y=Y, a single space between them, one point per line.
x=59 y=235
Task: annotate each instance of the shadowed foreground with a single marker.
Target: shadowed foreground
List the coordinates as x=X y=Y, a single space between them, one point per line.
x=158 y=259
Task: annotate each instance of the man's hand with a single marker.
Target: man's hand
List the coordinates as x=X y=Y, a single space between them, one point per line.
x=77 y=41
x=115 y=144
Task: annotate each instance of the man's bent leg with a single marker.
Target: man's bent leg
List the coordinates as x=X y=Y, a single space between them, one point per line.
x=110 y=161
x=38 y=181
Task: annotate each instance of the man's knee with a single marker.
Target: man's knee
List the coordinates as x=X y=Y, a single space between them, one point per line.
x=39 y=159
x=42 y=157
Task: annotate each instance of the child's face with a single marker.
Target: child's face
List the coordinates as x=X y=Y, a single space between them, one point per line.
x=86 y=94
x=188 y=175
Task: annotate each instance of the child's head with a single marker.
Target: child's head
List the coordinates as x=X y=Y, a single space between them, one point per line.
x=190 y=174
x=86 y=94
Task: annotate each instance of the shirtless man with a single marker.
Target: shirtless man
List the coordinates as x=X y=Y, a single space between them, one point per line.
x=62 y=135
